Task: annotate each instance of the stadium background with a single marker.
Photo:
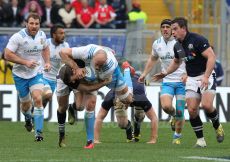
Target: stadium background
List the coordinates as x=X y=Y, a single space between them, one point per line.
x=207 y=17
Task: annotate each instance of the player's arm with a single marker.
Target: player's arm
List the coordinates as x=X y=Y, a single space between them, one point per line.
x=149 y=65
x=13 y=57
x=83 y=86
x=174 y=65
x=211 y=59
x=67 y=58
x=152 y=60
x=46 y=58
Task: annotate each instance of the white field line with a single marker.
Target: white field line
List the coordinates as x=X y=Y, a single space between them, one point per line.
x=206 y=158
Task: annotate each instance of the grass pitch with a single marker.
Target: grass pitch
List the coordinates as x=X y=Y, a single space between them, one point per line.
x=18 y=145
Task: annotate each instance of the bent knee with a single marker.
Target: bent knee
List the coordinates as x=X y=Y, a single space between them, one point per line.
x=193 y=111
x=207 y=106
x=48 y=96
x=62 y=109
x=139 y=115
x=37 y=99
x=166 y=107
x=25 y=105
x=122 y=125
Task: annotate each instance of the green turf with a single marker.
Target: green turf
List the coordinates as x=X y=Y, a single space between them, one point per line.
x=18 y=145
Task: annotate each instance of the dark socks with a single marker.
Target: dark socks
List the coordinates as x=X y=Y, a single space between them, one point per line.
x=197 y=126
x=129 y=131
x=61 y=123
x=214 y=117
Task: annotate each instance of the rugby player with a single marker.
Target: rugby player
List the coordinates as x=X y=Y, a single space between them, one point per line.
x=27 y=49
x=55 y=44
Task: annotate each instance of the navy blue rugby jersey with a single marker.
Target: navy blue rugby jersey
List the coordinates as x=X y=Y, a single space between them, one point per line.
x=190 y=50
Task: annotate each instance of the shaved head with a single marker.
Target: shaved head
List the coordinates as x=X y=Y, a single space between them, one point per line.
x=99 y=59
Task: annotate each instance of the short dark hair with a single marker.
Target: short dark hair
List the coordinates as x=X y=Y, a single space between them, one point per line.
x=34 y=16
x=65 y=74
x=166 y=21
x=55 y=28
x=181 y=21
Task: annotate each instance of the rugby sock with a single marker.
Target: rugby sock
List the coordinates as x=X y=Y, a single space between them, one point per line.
x=129 y=131
x=180 y=104
x=176 y=135
x=74 y=105
x=197 y=126
x=27 y=114
x=137 y=126
x=89 y=124
x=214 y=117
x=38 y=120
x=61 y=123
x=128 y=79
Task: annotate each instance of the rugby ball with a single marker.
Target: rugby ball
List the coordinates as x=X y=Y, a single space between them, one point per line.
x=90 y=74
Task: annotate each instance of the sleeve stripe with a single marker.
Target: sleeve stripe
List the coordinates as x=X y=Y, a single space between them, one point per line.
x=90 y=55
x=22 y=34
x=108 y=66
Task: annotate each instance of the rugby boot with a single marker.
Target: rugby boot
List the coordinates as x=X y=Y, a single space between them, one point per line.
x=220 y=134
x=89 y=145
x=71 y=115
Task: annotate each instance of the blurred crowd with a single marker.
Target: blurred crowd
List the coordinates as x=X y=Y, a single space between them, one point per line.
x=71 y=13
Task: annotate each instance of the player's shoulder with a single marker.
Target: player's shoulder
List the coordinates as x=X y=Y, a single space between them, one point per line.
x=197 y=36
x=158 y=41
x=92 y=45
x=172 y=40
x=18 y=36
x=41 y=33
x=21 y=33
x=177 y=45
x=65 y=44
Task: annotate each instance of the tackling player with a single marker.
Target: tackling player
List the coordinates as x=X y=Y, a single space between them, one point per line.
x=102 y=65
x=66 y=82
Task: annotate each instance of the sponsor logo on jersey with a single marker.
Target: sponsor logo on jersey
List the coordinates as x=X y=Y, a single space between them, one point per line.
x=167 y=56
x=35 y=50
x=54 y=58
x=188 y=58
x=190 y=46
